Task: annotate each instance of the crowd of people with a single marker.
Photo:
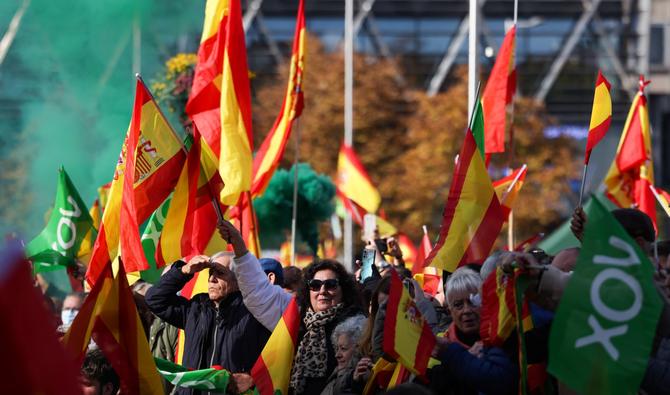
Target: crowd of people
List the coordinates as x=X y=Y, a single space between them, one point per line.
x=342 y=319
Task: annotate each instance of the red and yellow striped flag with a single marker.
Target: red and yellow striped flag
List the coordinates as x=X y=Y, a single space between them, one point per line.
x=499 y=91
x=632 y=171
x=380 y=376
x=399 y=376
x=407 y=336
x=473 y=216
x=220 y=101
x=424 y=251
x=498 y=315
x=601 y=115
x=175 y=238
x=160 y=157
x=268 y=156
x=353 y=181
x=110 y=316
x=507 y=188
x=272 y=370
x=86 y=246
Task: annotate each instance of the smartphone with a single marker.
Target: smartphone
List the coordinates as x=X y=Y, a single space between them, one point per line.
x=367 y=262
x=369 y=226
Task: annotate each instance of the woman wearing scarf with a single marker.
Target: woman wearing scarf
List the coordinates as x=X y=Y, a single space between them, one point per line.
x=327 y=297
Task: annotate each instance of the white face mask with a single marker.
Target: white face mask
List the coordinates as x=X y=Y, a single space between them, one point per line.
x=67 y=316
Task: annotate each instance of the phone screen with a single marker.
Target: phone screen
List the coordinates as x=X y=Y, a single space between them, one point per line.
x=367 y=260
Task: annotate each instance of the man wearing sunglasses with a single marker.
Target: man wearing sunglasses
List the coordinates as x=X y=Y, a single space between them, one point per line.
x=219 y=328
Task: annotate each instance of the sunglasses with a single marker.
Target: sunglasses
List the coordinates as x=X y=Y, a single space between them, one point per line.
x=330 y=284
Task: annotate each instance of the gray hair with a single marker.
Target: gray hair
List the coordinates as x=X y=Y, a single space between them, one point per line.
x=462 y=280
x=352 y=328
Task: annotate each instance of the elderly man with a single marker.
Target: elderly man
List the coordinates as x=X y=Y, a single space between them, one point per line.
x=219 y=328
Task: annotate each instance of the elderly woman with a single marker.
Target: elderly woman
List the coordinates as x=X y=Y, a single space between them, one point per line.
x=345 y=337
x=327 y=297
x=467 y=367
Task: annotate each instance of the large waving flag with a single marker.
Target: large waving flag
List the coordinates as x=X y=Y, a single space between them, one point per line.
x=272 y=370
x=632 y=171
x=353 y=181
x=499 y=91
x=507 y=188
x=159 y=159
x=271 y=151
x=57 y=245
x=473 y=216
x=407 y=336
x=601 y=115
x=604 y=328
x=109 y=315
x=220 y=101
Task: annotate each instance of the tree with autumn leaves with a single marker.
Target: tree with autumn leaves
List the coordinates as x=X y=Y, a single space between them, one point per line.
x=408 y=141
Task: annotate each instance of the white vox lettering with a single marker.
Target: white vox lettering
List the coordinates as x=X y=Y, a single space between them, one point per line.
x=606 y=311
x=66 y=221
x=602 y=336
x=616 y=242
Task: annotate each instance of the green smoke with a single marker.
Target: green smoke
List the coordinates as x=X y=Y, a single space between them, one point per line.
x=274 y=208
x=67 y=88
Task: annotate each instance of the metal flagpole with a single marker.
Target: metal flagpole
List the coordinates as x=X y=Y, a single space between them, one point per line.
x=294 y=217
x=473 y=54
x=348 y=116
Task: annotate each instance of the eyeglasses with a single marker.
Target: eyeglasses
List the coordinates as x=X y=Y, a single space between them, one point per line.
x=330 y=284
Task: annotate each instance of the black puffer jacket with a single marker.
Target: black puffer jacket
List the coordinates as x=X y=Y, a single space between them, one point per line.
x=230 y=336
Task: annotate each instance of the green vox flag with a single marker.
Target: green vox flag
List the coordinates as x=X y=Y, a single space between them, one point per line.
x=150 y=237
x=212 y=379
x=602 y=334
x=57 y=245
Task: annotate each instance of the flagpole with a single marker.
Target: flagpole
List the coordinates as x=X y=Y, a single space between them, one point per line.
x=473 y=54
x=294 y=217
x=581 y=189
x=348 y=116
x=253 y=226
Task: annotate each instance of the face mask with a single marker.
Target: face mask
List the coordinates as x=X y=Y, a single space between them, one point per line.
x=67 y=316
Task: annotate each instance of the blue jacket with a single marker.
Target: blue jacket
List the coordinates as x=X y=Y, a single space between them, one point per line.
x=463 y=373
x=230 y=337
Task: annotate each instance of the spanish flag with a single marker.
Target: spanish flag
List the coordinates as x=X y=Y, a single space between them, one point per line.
x=424 y=251
x=158 y=161
x=631 y=174
x=407 y=336
x=507 y=188
x=499 y=91
x=380 y=376
x=272 y=370
x=110 y=316
x=353 y=181
x=86 y=247
x=498 y=315
x=268 y=156
x=220 y=101
x=601 y=115
x=473 y=216
x=175 y=238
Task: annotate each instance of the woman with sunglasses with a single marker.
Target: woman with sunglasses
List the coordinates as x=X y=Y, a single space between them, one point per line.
x=327 y=297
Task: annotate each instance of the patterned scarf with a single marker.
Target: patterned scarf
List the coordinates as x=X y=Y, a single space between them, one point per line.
x=311 y=359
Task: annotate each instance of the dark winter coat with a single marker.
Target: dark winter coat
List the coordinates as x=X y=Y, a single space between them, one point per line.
x=228 y=336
